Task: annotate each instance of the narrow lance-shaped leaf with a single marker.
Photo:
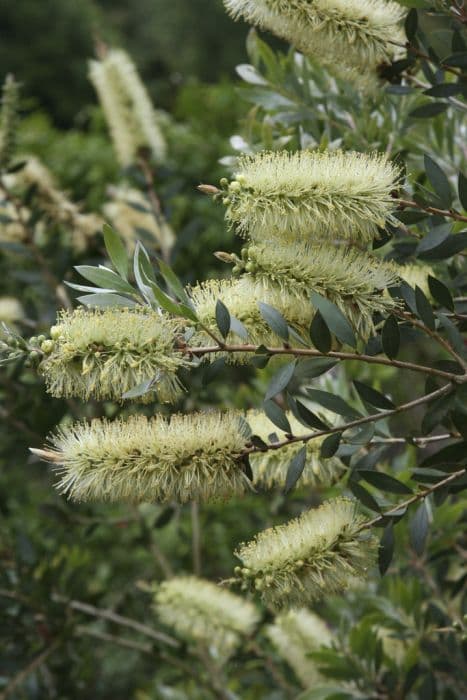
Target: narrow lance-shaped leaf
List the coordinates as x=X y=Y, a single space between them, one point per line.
x=281 y=380
x=116 y=250
x=277 y=416
x=320 y=334
x=330 y=445
x=105 y=278
x=383 y=482
x=295 y=469
x=334 y=318
x=418 y=529
x=222 y=318
x=333 y=403
x=373 y=397
x=424 y=310
x=439 y=181
x=391 y=337
x=440 y=293
x=386 y=549
x=308 y=418
x=274 y=319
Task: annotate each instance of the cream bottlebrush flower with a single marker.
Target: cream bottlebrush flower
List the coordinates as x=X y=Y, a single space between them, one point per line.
x=270 y=468
x=353 y=34
x=311 y=556
x=205 y=614
x=194 y=457
x=11 y=310
x=8 y=121
x=105 y=353
x=134 y=223
x=417 y=276
x=11 y=228
x=311 y=195
x=55 y=204
x=349 y=278
x=295 y=634
x=127 y=107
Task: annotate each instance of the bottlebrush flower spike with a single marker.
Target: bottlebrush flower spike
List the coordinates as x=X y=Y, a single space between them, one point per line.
x=312 y=556
x=127 y=107
x=203 y=613
x=189 y=457
x=241 y=297
x=296 y=634
x=351 y=37
x=311 y=195
x=417 y=276
x=105 y=353
x=270 y=468
x=351 y=279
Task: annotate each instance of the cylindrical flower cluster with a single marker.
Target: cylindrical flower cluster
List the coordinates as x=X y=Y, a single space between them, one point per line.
x=352 y=38
x=138 y=459
x=105 y=353
x=270 y=468
x=127 y=108
x=311 y=195
x=296 y=634
x=314 y=555
x=204 y=614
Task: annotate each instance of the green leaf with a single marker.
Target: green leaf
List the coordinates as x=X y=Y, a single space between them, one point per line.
x=462 y=187
x=364 y=496
x=275 y=320
x=106 y=300
x=238 y=328
x=277 y=416
x=439 y=181
x=450 y=246
x=222 y=318
x=139 y=390
x=386 y=549
x=295 y=470
x=103 y=277
x=330 y=445
x=383 y=482
x=116 y=250
x=173 y=283
x=280 y=380
x=453 y=335
x=433 y=238
x=314 y=367
x=452 y=456
x=335 y=319
x=440 y=293
x=428 y=110
x=320 y=334
x=308 y=418
x=418 y=529
x=424 y=310
x=443 y=90
x=411 y=24
x=373 y=397
x=457 y=60
x=333 y=403
x=391 y=337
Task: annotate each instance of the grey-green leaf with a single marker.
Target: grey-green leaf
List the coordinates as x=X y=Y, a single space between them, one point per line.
x=116 y=250
x=295 y=470
x=280 y=380
x=275 y=320
x=335 y=319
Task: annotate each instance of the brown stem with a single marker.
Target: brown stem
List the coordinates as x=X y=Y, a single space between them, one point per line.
x=450 y=213
x=30 y=668
x=434 y=336
x=113 y=639
x=421 y=54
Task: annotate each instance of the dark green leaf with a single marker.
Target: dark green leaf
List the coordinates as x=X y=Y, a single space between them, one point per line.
x=418 y=529
x=314 y=367
x=383 y=482
x=451 y=245
x=295 y=470
x=424 y=310
x=444 y=90
x=373 y=397
x=320 y=334
x=116 y=250
x=222 y=318
x=173 y=283
x=280 y=381
x=439 y=181
x=103 y=277
x=391 y=337
x=363 y=496
x=451 y=456
x=275 y=320
x=238 y=328
x=433 y=238
x=334 y=318
x=333 y=403
x=164 y=518
x=386 y=549
x=277 y=416
x=436 y=412
x=458 y=60
x=428 y=110
x=411 y=24
x=308 y=418
x=330 y=445
x=440 y=293
x=462 y=187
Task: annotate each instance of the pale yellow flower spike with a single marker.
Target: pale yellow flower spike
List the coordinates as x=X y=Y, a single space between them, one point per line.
x=192 y=457
x=311 y=195
x=296 y=634
x=204 y=614
x=270 y=468
x=103 y=354
x=416 y=275
x=350 y=37
x=309 y=557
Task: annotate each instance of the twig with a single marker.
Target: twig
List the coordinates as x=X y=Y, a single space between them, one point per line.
x=106 y=614
x=30 y=668
x=420 y=441
x=436 y=337
x=450 y=213
x=421 y=54
x=418 y=497
x=310 y=352
x=196 y=538
x=113 y=639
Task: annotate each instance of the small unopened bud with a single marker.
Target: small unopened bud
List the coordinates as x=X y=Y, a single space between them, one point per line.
x=235 y=186
x=47 y=346
x=208 y=189
x=225 y=257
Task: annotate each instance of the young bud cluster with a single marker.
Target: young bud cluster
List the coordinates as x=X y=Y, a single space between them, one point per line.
x=204 y=614
x=184 y=458
x=105 y=353
x=311 y=195
x=270 y=468
x=314 y=555
x=296 y=634
x=127 y=108
x=350 y=37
